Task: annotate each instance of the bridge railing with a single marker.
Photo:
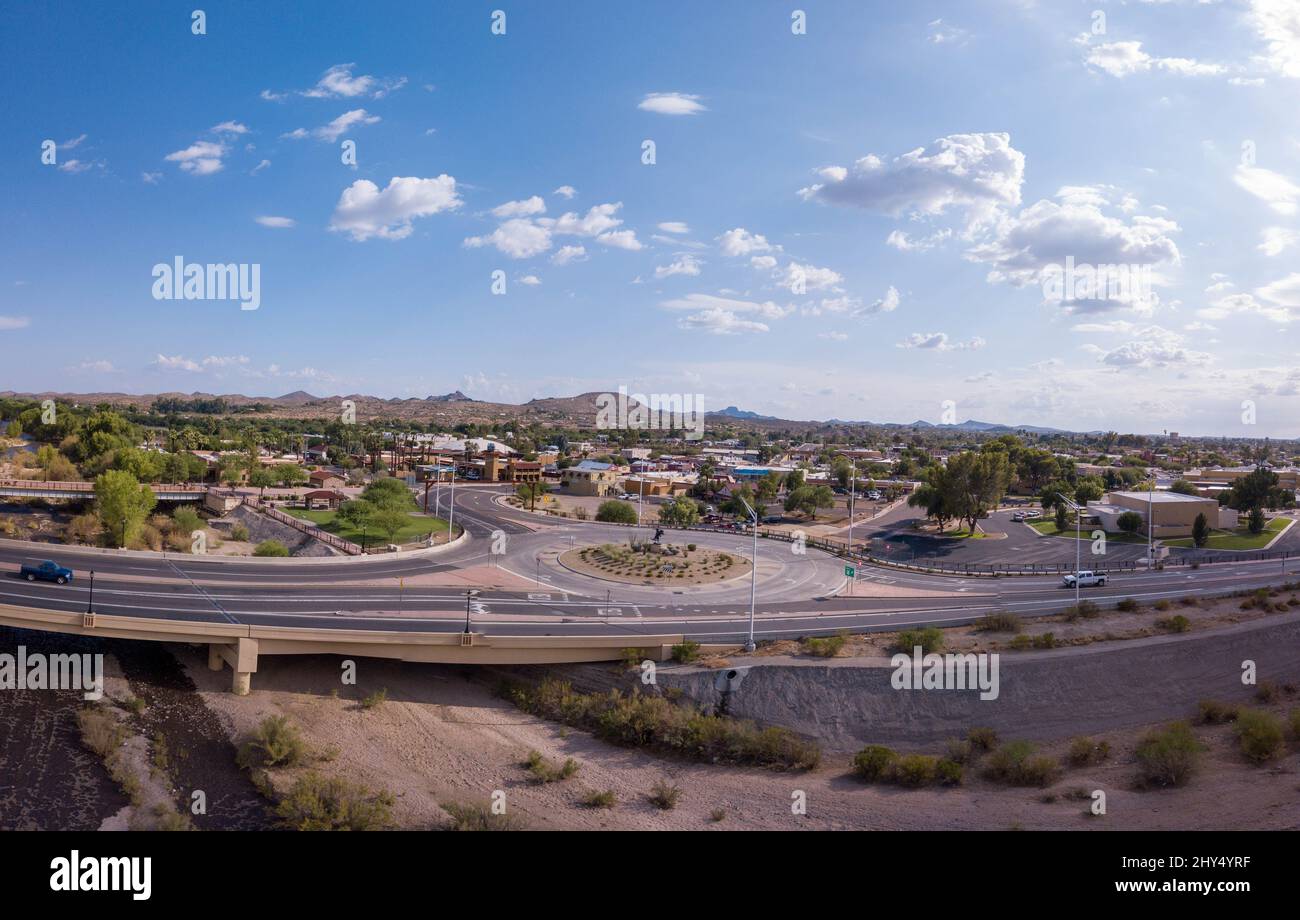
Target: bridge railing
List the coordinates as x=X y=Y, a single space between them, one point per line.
x=86 y=487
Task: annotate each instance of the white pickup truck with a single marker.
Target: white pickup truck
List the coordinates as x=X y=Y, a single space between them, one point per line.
x=1085 y=579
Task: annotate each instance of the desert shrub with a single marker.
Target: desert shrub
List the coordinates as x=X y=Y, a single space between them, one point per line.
x=275 y=742
x=823 y=646
x=606 y=799
x=1168 y=756
x=100 y=732
x=271 y=548
x=998 y=622
x=541 y=771
x=929 y=639
x=1266 y=692
x=1212 y=712
x=718 y=815
x=1085 y=751
x=960 y=751
x=1127 y=605
x=641 y=720
x=1174 y=624
x=686 y=651
x=1022 y=642
x=372 y=700
x=239 y=533
x=1162 y=604
x=982 y=739
x=85 y=528
x=1259 y=734
x=474 y=817
x=949 y=772
x=1015 y=764
x=1086 y=610
x=872 y=763
x=1046 y=640
x=664 y=795
x=317 y=803
x=914 y=770
x=1189 y=601
x=187 y=520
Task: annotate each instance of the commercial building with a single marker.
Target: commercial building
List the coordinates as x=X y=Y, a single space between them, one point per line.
x=590 y=477
x=1172 y=513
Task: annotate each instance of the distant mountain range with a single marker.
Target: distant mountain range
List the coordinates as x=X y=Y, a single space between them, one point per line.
x=456 y=408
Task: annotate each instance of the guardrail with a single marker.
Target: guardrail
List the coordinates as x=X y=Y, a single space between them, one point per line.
x=89 y=487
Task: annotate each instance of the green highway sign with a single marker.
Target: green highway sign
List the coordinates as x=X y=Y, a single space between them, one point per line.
x=849 y=571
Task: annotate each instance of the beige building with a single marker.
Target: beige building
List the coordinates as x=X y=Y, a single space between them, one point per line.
x=590 y=478
x=1171 y=513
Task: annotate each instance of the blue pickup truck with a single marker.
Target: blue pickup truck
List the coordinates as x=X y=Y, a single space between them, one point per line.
x=47 y=571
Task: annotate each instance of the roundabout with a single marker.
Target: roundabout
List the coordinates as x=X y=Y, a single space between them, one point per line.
x=683 y=565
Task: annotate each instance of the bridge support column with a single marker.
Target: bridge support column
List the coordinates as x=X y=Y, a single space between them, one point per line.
x=242 y=658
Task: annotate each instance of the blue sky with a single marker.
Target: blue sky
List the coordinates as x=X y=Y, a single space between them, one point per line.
x=855 y=222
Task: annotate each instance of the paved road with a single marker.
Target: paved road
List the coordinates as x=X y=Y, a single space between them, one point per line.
x=798 y=595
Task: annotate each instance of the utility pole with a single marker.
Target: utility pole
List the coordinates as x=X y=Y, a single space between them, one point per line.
x=753 y=581
x=1078 y=543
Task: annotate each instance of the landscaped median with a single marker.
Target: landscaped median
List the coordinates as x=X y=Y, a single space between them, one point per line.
x=416 y=528
x=1239 y=539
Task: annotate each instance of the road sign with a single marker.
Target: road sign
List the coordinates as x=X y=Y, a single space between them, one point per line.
x=849 y=571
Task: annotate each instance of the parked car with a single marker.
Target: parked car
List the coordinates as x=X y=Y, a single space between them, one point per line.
x=874 y=495
x=1086 y=579
x=46 y=571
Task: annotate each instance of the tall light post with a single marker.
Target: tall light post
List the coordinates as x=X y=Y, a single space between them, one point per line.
x=1078 y=542
x=451 y=514
x=90 y=604
x=753 y=581
x=469 y=596
x=853 y=483
x=1151 y=523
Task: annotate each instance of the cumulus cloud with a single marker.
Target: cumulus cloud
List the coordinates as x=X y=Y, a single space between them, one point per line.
x=798 y=278
x=517 y=238
x=336 y=128
x=524 y=208
x=973 y=173
x=565 y=191
x=339 y=82
x=684 y=263
x=1275 y=240
x=525 y=237
x=1154 y=347
x=277 y=223
x=740 y=242
x=1277 y=22
x=724 y=315
x=364 y=211
x=230 y=127
x=671 y=104
x=202 y=158
x=905 y=243
x=1122 y=59
x=567 y=254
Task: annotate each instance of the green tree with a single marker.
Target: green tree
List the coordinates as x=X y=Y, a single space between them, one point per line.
x=1183 y=487
x=530 y=492
x=389 y=494
x=1129 y=521
x=356 y=514
x=1062 y=516
x=616 y=512
x=122 y=504
x=680 y=512
x=810 y=499
x=262 y=478
x=389 y=521
x=1200 y=530
x=932 y=496
x=1255 y=523
x=290 y=475
x=271 y=548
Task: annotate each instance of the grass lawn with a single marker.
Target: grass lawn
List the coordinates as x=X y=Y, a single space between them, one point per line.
x=1048 y=529
x=417 y=529
x=1240 y=539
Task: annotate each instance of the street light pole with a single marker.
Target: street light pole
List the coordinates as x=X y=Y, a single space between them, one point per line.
x=753 y=580
x=469 y=595
x=90 y=604
x=853 y=484
x=1151 y=524
x=451 y=514
x=1078 y=543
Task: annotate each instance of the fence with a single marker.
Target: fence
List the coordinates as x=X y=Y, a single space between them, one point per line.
x=306 y=527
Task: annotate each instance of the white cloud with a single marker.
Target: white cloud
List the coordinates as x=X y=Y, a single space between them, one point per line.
x=941 y=34
x=1278 y=24
x=674 y=226
x=230 y=127
x=887 y=304
x=671 y=104
x=202 y=158
x=72 y=144
x=740 y=242
x=1279 y=192
x=75 y=166
x=834 y=336
x=798 y=278
x=524 y=208
x=1155 y=347
x=363 y=211
x=1284 y=293
x=176 y=363
x=150 y=178
x=518 y=238
x=1275 y=240
x=683 y=264
x=98 y=367
x=278 y=223
x=567 y=254
x=565 y=191
x=339 y=83
x=8 y=323
x=620 y=239
x=336 y=128
x=259 y=167
x=598 y=219
x=720 y=322
x=530 y=280
x=1122 y=59
x=904 y=243
x=976 y=173
x=938 y=341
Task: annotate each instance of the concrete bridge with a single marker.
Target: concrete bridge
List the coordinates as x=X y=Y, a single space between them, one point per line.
x=35 y=488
